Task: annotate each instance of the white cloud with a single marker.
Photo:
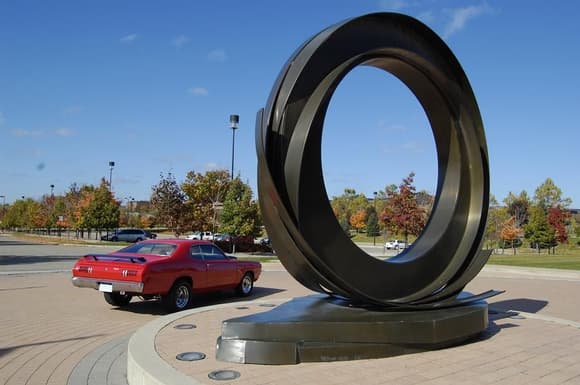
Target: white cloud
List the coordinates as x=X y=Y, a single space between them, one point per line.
x=63 y=132
x=217 y=55
x=393 y=5
x=212 y=166
x=20 y=132
x=129 y=38
x=2 y=119
x=414 y=147
x=72 y=110
x=460 y=17
x=180 y=41
x=198 y=91
x=390 y=127
x=426 y=17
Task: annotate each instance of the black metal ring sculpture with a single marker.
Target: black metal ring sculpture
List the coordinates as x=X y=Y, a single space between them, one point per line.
x=299 y=219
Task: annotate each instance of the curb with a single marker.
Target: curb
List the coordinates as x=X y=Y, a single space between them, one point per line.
x=145 y=367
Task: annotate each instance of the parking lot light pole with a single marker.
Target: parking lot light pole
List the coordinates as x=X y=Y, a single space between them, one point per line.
x=3 y=205
x=111 y=165
x=377 y=220
x=234 y=120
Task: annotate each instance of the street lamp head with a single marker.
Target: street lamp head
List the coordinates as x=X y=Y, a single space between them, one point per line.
x=111 y=164
x=234 y=120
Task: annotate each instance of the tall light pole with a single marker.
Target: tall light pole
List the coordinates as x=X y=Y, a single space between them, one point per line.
x=234 y=120
x=51 y=190
x=377 y=218
x=3 y=204
x=111 y=165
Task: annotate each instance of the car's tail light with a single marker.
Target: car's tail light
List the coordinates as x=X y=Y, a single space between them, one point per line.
x=85 y=269
x=129 y=273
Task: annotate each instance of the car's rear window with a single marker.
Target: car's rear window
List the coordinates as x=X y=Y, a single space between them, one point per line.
x=150 y=248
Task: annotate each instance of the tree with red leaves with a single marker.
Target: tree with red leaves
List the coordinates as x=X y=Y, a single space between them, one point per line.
x=558 y=219
x=402 y=214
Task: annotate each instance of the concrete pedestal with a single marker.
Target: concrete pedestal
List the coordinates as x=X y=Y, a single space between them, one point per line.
x=319 y=328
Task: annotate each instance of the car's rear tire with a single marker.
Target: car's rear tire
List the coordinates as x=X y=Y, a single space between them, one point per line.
x=179 y=297
x=114 y=239
x=117 y=299
x=138 y=240
x=246 y=285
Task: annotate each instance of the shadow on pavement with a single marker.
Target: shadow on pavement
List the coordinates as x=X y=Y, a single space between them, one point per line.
x=5 y=242
x=9 y=349
x=20 y=260
x=520 y=304
x=22 y=288
x=154 y=307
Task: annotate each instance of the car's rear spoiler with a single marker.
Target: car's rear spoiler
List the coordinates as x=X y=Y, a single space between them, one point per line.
x=97 y=257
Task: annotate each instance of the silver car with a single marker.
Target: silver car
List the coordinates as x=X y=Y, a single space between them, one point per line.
x=126 y=235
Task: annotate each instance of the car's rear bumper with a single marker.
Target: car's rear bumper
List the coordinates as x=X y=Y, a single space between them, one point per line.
x=94 y=283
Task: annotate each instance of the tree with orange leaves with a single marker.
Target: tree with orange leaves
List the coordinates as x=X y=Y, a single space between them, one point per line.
x=510 y=233
x=358 y=220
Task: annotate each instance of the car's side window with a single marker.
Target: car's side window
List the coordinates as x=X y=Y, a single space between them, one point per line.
x=210 y=252
x=196 y=252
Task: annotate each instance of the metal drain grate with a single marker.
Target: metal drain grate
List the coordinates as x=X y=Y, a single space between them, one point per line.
x=190 y=356
x=224 y=375
x=184 y=326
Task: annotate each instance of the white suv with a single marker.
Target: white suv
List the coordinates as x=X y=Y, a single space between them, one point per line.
x=205 y=235
x=395 y=244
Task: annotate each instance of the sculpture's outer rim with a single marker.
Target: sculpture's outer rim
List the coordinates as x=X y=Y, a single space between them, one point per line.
x=293 y=198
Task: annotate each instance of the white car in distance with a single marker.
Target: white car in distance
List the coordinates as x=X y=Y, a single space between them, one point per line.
x=395 y=244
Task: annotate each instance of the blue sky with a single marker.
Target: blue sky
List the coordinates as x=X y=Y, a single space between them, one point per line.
x=151 y=84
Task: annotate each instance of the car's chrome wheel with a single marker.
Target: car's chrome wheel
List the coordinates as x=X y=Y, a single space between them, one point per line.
x=178 y=297
x=182 y=297
x=246 y=285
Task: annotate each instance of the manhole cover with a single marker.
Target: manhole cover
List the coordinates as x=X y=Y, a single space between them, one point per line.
x=190 y=356
x=224 y=375
x=242 y=307
x=184 y=326
x=267 y=305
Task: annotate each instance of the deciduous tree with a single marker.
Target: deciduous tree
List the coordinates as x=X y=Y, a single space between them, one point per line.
x=402 y=214
x=358 y=220
x=538 y=231
x=495 y=217
x=240 y=215
x=345 y=205
x=205 y=193
x=548 y=195
x=103 y=210
x=517 y=207
x=510 y=232
x=169 y=203
x=559 y=219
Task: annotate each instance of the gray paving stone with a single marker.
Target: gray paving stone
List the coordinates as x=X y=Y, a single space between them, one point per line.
x=104 y=365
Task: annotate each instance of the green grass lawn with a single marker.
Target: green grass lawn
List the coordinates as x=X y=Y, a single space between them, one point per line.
x=568 y=259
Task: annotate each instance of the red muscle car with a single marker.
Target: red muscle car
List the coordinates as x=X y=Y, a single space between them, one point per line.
x=172 y=269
